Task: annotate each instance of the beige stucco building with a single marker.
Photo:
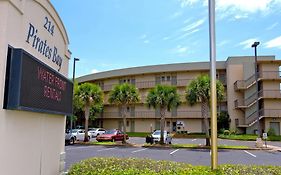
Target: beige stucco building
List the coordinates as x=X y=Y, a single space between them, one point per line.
x=237 y=75
x=32 y=139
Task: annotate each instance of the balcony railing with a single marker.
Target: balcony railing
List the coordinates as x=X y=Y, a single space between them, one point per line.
x=150 y=84
x=153 y=114
x=271 y=113
x=253 y=118
x=265 y=75
x=270 y=94
x=270 y=75
x=274 y=94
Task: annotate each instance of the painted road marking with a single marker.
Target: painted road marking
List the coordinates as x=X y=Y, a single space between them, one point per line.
x=250 y=153
x=79 y=147
x=139 y=150
x=193 y=140
x=174 y=151
x=105 y=149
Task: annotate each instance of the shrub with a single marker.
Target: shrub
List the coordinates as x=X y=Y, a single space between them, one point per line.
x=226 y=132
x=133 y=166
x=271 y=132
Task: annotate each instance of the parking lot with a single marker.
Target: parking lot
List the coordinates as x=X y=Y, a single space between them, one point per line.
x=75 y=153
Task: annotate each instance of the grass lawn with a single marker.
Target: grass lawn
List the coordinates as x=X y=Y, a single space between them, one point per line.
x=247 y=137
x=135 y=166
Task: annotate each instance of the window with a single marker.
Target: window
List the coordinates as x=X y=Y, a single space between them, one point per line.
x=163 y=78
x=168 y=78
x=168 y=124
x=128 y=123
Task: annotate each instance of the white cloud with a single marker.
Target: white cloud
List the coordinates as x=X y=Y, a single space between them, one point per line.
x=274 y=43
x=93 y=71
x=176 y=15
x=165 y=38
x=180 y=49
x=146 y=41
x=223 y=43
x=187 y=34
x=185 y=3
x=194 y=25
x=244 y=8
x=248 y=43
x=143 y=36
x=272 y=26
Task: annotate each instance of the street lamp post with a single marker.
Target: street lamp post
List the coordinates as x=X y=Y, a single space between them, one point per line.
x=257 y=87
x=73 y=78
x=213 y=104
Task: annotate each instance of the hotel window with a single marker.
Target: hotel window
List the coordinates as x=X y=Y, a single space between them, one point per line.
x=168 y=78
x=168 y=124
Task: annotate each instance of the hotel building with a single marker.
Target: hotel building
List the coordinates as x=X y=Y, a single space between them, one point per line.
x=241 y=95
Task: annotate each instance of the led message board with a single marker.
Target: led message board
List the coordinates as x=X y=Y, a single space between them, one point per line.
x=34 y=86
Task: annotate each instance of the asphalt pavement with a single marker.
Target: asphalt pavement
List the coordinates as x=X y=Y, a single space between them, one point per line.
x=75 y=153
x=192 y=156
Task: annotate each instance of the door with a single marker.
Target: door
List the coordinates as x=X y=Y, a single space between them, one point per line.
x=174 y=126
x=275 y=126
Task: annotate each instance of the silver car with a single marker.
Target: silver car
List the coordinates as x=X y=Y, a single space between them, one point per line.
x=156 y=137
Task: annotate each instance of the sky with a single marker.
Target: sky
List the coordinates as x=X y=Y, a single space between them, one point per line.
x=115 y=34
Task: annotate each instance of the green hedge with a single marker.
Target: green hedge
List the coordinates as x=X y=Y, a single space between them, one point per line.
x=132 y=166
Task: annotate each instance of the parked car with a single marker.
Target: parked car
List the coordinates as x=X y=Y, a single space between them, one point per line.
x=96 y=131
x=79 y=134
x=156 y=137
x=112 y=135
x=69 y=138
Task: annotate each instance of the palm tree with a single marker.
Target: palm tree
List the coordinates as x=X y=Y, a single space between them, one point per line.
x=199 y=91
x=88 y=95
x=165 y=98
x=124 y=95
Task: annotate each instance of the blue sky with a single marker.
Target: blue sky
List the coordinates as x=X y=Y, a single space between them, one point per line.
x=114 y=34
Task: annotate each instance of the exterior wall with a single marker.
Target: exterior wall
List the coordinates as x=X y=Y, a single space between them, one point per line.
x=33 y=142
x=234 y=73
x=229 y=72
x=267 y=124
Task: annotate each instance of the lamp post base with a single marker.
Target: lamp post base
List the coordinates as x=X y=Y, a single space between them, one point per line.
x=259 y=143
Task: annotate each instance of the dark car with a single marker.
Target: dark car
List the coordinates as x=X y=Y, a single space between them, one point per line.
x=112 y=135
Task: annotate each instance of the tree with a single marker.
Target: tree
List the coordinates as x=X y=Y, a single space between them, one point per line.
x=165 y=98
x=124 y=95
x=199 y=90
x=88 y=95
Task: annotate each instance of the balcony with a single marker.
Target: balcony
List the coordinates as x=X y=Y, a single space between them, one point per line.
x=253 y=118
x=276 y=113
x=270 y=75
x=269 y=94
x=244 y=84
x=152 y=115
x=264 y=75
x=150 y=84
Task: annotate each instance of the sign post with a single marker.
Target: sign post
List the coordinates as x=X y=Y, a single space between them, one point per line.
x=264 y=136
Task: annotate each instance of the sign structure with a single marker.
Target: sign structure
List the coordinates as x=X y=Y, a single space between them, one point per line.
x=34 y=86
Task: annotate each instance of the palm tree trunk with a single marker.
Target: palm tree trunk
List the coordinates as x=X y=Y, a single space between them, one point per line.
x=124 y=111
x=205 y=111
x=87 y=114
x=162 y=125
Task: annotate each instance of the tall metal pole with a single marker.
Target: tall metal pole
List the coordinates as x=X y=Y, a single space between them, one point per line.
x=213 y=105
x=73 y=78
x=257 y=88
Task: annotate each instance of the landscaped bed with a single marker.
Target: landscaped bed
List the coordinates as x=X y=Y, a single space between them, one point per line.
x=133 y=166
